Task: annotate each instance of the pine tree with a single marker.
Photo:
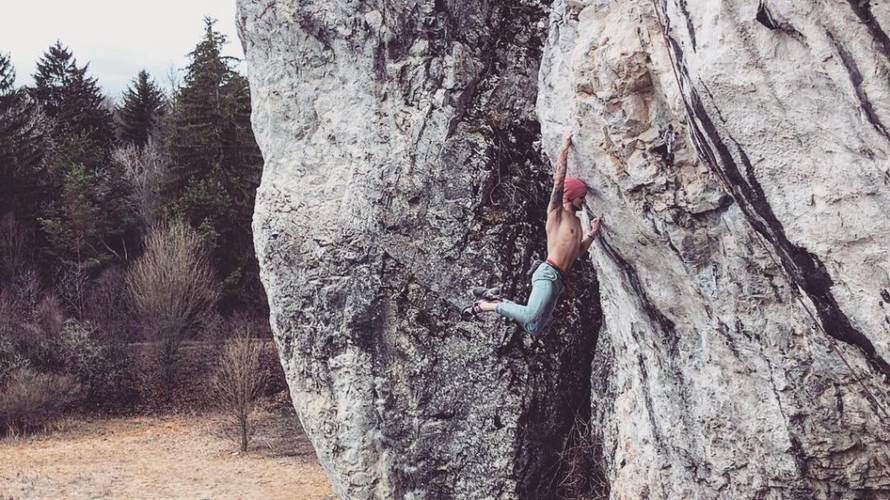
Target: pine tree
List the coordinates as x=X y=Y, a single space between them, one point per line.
x=143 y=105
x=7 y=75
x=215 y=160
x=89 y=218
x=21 y=144
x=87 y=213
x=83 y=125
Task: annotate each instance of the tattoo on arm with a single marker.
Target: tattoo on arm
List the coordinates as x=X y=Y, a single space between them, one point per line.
x=556 y=196
x=559 y=178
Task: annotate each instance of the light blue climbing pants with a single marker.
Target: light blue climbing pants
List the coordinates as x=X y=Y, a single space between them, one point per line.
x=547 y=285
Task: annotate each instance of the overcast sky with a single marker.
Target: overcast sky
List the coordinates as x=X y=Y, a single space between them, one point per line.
x=117 y=37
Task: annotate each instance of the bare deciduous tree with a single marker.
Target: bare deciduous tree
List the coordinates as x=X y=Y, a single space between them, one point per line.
x=72 y=283
x=173 y=289
x=144 y=169
x=240 y=379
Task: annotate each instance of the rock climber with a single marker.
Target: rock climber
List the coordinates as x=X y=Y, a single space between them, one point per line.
x=564 y=244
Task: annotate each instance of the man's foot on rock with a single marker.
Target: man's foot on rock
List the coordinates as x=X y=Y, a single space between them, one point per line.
x=489 y=294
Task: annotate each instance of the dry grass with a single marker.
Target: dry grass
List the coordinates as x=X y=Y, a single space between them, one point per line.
x=31 y=401
x=162 y=457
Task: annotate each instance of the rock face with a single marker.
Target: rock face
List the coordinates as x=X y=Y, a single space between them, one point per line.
x=739 y=152
x=403 y=165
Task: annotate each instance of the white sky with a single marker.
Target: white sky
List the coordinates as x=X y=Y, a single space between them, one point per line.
x=117 y=37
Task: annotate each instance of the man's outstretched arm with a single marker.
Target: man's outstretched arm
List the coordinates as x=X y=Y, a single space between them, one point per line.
x=559 y=175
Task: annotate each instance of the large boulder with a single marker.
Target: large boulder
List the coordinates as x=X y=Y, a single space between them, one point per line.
x=403 y=165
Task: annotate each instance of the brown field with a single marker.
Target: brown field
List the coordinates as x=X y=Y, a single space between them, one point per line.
x=183 y=456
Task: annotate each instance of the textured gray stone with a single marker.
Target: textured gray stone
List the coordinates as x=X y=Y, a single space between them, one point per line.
x=402 y=166
x=739 y=152
x=741 y=160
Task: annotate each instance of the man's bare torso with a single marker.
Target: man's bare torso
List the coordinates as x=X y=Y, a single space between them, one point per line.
x=563 y=238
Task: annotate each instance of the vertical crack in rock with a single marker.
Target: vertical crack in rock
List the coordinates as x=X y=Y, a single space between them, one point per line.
x=666 y=325
x=689 y=26
x=856 y=79
x=862 y=9
x=804 y=268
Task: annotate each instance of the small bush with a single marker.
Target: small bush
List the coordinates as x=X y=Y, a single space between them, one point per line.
x=12 y=316
x=31 y=400
x=102 y=369
x=240 y=380
x=173 y=290
x=108 y=306
x=10 y=359
x=36 y=338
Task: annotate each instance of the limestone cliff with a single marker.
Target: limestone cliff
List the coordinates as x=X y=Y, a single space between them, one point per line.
x=739 y=153
x=403 y=165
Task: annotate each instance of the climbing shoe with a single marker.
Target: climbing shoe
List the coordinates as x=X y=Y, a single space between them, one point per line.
x=490 y=294
x=472 y=312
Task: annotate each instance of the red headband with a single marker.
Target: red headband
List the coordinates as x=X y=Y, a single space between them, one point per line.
x=574 y=188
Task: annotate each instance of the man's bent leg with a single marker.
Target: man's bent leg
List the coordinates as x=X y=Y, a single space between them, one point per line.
x=542 y=294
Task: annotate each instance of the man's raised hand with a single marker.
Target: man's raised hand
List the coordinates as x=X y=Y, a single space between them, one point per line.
x=566 y=145
x=595 y=227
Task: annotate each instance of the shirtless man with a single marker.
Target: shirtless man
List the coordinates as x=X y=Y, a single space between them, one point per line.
x=564 y=244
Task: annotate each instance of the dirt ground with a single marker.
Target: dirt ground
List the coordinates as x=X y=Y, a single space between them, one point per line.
x=162 y=457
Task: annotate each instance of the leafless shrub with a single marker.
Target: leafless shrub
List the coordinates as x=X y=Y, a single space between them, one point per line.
x=107 y=305
x=240 y=379
x=173 y=289
x=23 y=291
x=49 y=315
x=144 y=168
x=11 y=310
x=36 y=338
x=101 y=368
x=72 y=285
x=10 y=359
x=31 y=400
x=13 y=247
x=581 y=473
x=16 y=338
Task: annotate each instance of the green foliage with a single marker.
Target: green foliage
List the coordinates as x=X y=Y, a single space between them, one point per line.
x=143 y=105
x=74 y=102
x=91 y=214
x=84 y=210
x=73 y=231
x=22 y=179
x=215 y=162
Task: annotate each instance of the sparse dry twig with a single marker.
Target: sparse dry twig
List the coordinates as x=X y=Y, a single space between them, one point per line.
x=581 y=475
